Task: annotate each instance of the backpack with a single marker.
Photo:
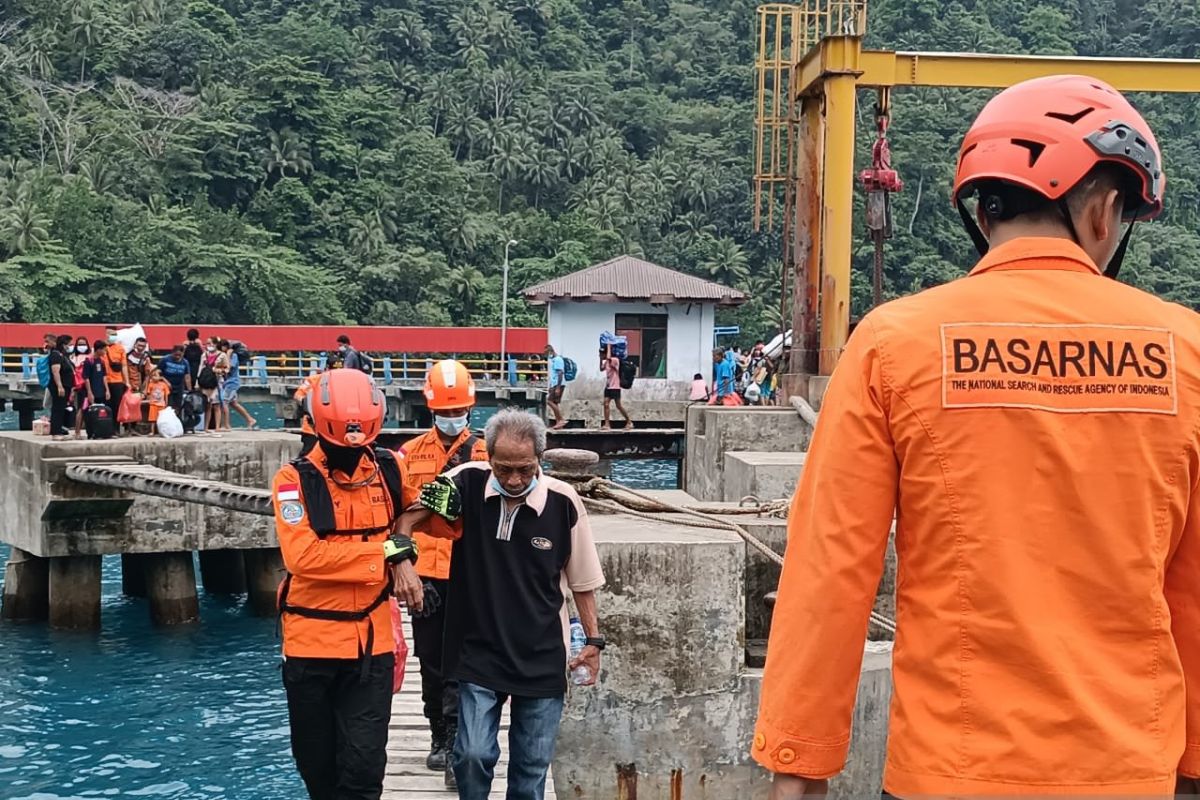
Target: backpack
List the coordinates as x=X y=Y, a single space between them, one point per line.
x=243 y=353
x=570 y=369
x=192 y=411
x=43 y=370
x=208 y=378
x=628 y=371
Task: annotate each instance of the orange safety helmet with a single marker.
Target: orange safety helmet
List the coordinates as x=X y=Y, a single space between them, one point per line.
x=347 y=408
x=448 y=384
x=1046 y=134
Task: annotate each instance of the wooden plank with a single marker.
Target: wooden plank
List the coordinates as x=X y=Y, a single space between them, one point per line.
x=406 y=777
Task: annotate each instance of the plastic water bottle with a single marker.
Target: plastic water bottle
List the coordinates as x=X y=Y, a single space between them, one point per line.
x=581 y=674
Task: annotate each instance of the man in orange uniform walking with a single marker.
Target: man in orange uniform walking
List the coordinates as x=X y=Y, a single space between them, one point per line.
x=1036 y=428
x=450 y=395
x=335 y=510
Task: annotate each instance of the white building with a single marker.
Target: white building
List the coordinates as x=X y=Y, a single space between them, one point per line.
x=667 y=317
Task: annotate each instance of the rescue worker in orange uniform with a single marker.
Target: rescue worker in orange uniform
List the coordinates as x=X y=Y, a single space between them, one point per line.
x=450 y=395
x=1035 y=427
x=335 y=510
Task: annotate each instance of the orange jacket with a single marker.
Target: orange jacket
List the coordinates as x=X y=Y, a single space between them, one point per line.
x=1036 y=428
x=424 y=458
x=342 y=573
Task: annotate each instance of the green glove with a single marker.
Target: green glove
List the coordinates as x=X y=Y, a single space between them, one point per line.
x=397 y=548
x=441 y=497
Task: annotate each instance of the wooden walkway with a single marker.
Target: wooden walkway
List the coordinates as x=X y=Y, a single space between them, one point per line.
x=408 y=745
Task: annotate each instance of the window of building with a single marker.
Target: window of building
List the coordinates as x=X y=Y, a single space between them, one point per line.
x=647 y=335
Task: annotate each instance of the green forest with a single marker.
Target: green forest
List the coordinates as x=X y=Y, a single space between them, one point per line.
x=339 y=161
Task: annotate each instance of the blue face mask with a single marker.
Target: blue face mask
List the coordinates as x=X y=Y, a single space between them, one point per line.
x=496 y=485
x=451 y=426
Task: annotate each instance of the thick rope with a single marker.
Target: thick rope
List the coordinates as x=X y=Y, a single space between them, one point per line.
x=609 y=500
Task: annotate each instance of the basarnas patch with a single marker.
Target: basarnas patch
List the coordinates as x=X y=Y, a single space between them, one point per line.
x=292 y=512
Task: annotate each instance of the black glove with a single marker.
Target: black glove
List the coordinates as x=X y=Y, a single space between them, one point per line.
x=433 y=601
x=441 y=497
x=397 y=548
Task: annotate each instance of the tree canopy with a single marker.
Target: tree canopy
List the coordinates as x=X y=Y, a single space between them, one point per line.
x=333 y=161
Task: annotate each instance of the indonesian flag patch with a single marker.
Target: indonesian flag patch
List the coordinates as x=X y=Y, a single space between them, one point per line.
x=287 y=491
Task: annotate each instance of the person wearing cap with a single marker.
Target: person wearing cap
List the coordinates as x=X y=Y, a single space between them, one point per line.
x=335 y=510
x=1034 y=428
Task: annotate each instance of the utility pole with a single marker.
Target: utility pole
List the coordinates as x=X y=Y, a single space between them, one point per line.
x=504 y=314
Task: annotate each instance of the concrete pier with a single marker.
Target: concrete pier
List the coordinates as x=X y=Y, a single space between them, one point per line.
x=48 y=516
x=171 y=588
x=26 y=588
x=714 y=433
x=264 y=571
x=74 y=592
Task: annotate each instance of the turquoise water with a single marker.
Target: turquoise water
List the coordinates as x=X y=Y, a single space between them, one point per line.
x=192 y=713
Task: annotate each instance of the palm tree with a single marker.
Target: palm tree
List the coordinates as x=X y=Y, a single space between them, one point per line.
x=699 y=189
x=411 y=35
x=286 y=153
x=541 y=172
x=24 y=227
x=507 y=160
x=694 y=224
x=439 y=93
x=99 y=176
x=84 y=30
x=727 y=263
x=465 y=285
x=469 y=29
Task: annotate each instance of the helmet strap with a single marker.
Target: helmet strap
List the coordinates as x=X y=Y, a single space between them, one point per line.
x=1114 y=264
x=981 y=242
x=1066 y=214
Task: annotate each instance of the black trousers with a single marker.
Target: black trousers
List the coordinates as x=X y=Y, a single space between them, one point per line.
x=58 y=413
x=339 y=724
x=439 y=695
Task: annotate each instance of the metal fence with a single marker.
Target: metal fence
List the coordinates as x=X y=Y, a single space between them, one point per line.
x=289 y=367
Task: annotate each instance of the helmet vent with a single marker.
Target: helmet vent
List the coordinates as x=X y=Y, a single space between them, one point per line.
x=1070 y=118
x=1035 y=149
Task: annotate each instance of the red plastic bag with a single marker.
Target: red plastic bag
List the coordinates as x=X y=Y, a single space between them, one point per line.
x=401 y=646
x=131 y=408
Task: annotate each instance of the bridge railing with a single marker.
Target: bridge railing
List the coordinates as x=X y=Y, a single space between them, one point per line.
x=293 y=367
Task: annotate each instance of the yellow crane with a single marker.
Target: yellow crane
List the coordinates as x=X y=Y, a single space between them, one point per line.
x=810 y=62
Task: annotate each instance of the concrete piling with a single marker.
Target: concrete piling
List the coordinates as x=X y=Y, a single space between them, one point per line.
x=26 y=588
x=264 y=571
x=171 y=588
x=223 y=571
x=74 y=592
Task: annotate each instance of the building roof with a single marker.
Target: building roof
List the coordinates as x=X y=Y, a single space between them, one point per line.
x=626 y=278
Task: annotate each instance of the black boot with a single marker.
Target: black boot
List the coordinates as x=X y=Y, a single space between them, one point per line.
x=451 y=733
x=438 y=755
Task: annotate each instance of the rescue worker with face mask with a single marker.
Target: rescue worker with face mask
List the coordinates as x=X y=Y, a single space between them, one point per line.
x=1035 y=429
x=335 y=510
x=450 y=395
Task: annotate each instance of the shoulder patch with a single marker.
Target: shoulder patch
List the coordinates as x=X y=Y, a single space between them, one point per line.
x=1063 y=368
x=292 y=512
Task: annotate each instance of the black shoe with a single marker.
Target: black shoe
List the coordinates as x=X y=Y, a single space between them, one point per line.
x=438 y=752
x=451 y=783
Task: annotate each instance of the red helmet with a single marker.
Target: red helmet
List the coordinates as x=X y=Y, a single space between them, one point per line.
x=1046 y=134
x=347 y=408
x=449 y=384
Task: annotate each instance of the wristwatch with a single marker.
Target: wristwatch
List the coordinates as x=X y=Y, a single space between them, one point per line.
x=595 y=641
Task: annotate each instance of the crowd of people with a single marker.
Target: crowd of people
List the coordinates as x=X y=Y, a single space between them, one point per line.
x=79 y=375
x=739 y=378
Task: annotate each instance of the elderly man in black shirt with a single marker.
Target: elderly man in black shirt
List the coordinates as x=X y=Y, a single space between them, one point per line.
x=522 y=541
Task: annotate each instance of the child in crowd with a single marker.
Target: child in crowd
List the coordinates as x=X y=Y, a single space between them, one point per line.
x=158 y=392
x=699 y=389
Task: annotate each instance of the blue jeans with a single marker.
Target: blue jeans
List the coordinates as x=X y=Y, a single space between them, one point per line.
x=531 y=738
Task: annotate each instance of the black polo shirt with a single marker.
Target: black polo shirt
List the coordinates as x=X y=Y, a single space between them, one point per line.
x=506 y=617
